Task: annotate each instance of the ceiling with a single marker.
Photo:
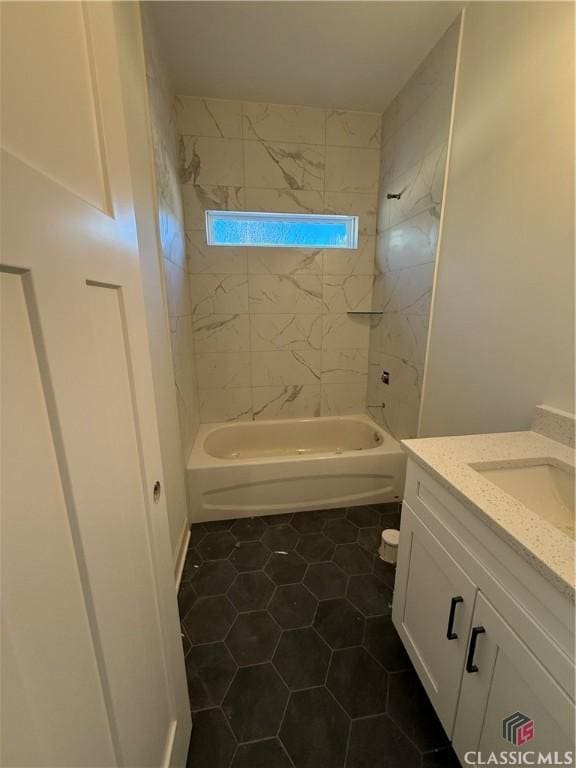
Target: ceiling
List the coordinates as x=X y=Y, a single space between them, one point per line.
x=344 y=55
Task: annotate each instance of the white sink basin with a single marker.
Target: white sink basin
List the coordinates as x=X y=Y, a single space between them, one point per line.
x=546 y=488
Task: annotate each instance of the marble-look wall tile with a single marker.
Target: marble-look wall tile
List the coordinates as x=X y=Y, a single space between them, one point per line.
x=226 y=405
x=182 y=343
x=223 y=370
x=212 y=161
x=353 y=129
x=344 y=366
x=402 y=336
x=283 y=166
x=436 y=70
x=340 y=331
x=423 y=132
x=282 y=122
x=217 y=118
x=351 y=169
x=355 y=204
x=285 y=200
x=344 y=293
x=295 y=401
x=421 y=188
x=274 y=320
x=406 y=291
x=405 y=383
x=211 y=260
x=177 y=289
x=342 y=399
x=221 y=333
x=294 y=367
x=413 y=158
x=219 y=294
x=284 y=261
x=282 y=294
x=346 y=261
x=285 y=332
x=198 y=199
x=407 y=244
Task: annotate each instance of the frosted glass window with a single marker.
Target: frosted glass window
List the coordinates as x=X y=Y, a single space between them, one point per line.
x=281 y=230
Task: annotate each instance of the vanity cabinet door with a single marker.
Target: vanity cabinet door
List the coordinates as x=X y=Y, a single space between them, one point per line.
x=432 y=611
x=504 y=679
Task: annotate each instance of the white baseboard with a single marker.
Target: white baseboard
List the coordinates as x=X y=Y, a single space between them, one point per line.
x=181 y=559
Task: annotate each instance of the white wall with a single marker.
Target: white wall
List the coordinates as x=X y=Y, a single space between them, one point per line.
x=146 y=206
x=502 y=328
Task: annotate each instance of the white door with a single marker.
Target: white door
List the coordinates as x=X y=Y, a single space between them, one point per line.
x=92 y=665
x=504 y=679
x=432 y=611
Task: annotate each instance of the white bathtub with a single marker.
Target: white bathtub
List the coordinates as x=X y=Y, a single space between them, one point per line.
x=268 y=467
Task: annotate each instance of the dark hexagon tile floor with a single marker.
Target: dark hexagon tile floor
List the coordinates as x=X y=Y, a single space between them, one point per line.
x=293 y=606
x=255 y=702
x=253 y=638
x=292 y=659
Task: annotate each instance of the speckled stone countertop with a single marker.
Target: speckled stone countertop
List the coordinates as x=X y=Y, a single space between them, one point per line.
x=449 y=460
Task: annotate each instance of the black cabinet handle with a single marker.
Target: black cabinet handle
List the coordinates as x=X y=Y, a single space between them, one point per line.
x=470 y=666
x=450 y=634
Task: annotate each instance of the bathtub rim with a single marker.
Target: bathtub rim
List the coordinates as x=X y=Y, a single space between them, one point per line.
x=200 y=458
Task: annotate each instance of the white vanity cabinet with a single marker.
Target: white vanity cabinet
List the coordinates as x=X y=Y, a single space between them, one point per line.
x=487 y=634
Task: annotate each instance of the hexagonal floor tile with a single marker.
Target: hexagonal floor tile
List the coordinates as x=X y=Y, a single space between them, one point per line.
x=280 y=537
x=326 y=580
x=248 y=529
x=358 y=682
x=369 y=539
x=353 y=559
x=253 y=637
x=339 y=623
x=293 y=606
x=186 y=598
x=286 y=569
x=218 y=525
x=315 y=729
x=315 y=547
x=209 y=619
x=213 y=578
x=261 y=754
x=386 y=572
x=363 y=517
x=251 y=591
x=308 y=522
x=341 y=531
x=331 y=514
x=249 y=556
x=377 y=741
x=212 y=743
x=191 y=564
x=442 y=758
x=255 y=703
x=217 y=545
x=411 y=710
x=370 y=595
x=383 y=642
x=197 y=531
x=209 y=670
x=281 y=519
x=302 y=658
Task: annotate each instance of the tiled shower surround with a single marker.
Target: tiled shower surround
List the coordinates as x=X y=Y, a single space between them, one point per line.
x=271 y=335
x=413 y=158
